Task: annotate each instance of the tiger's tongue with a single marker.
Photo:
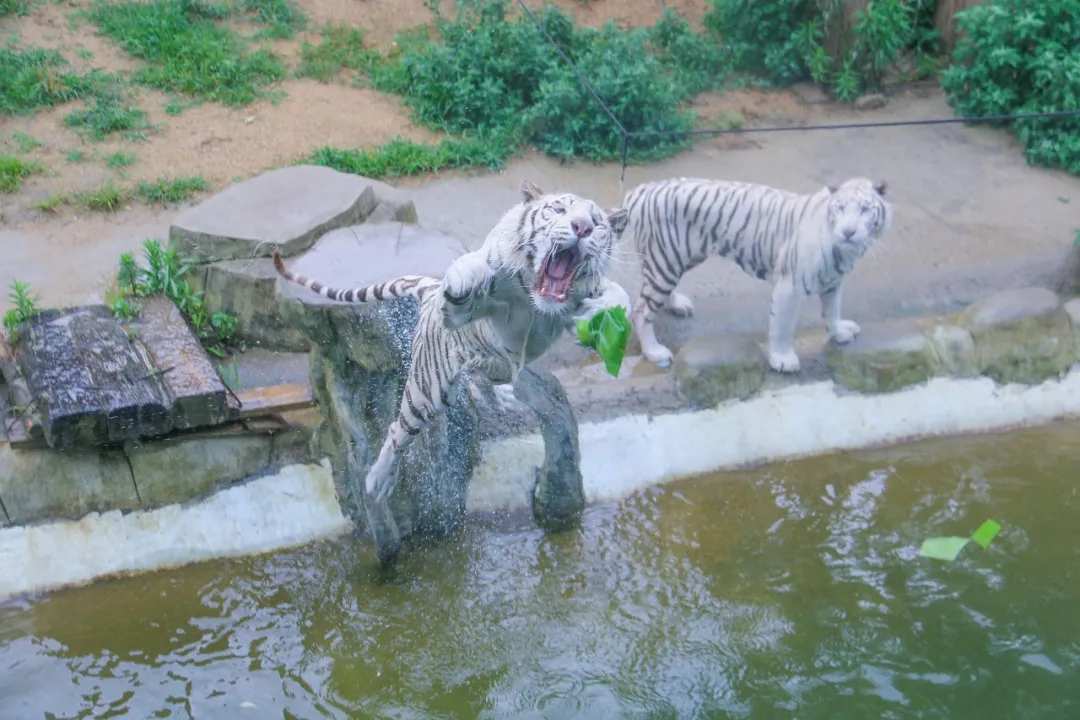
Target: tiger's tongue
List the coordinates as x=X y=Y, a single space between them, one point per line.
x=558 y=276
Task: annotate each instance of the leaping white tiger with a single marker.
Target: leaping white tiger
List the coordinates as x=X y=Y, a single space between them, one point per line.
x=541 y=268
x=804 y=244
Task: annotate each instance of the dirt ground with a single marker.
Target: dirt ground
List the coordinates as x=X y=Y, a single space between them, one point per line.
x=224 y=144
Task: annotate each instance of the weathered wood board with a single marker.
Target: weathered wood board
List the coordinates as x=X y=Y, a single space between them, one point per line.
x=89 y=383
x=191 y=382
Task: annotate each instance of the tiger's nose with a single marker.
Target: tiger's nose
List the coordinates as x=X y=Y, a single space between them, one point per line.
x=849 y=233
x=581 y=228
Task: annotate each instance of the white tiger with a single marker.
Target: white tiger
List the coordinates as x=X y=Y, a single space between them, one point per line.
x=541 y=268
x=804 y=244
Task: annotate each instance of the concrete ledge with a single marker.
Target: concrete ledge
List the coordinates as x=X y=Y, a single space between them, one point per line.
x=625 y=454
x=295 y=506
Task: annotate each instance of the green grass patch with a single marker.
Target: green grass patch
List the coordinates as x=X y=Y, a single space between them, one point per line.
x=33 y=79
x=120 y=159
x=166 y=190
x=105 y=115
x=75 y=156
x=281 y=18
x=25 y=143
x=13 y=7
x=401 y=158
x=13 y=170
x=106 y=198
x=187 y=51
x=342 y=48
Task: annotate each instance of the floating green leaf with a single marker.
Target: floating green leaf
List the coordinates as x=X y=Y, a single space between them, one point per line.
x=608 y=331
x=943 y=548
x=986 y=532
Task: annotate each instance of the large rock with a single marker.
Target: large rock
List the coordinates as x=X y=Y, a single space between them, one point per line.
x=883 y=358
x=178 y=469
x=289 y=208
x=47 y=484
x=245 y=288
x=358 y=360
x=955 y=349
x=715 y=368
x=1021 y=335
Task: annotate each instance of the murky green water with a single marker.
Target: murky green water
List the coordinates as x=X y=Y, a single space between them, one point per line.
x=790 y=591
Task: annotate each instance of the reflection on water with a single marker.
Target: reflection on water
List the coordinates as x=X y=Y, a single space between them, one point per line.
x=789 y=591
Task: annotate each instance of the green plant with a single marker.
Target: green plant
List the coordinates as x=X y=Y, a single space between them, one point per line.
x=486 y=75
x=35 y=78
x=105 y=115
x=52 y=203
x=25 y=307
x=107 y=197
x=25 y=142
x=403 y=157
x=697 y=62
x=187 y=50
x=11 y=7
x=166 y=190
x=164 y=274
x=788 y=41
x=1014 y=56
x=75 y=156
x=283 y=18
x=120 y=159
x=14 y=170
x=342 y=48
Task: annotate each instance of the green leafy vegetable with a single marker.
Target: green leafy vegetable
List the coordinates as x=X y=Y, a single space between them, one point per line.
x=947 y=548
x=986 y=532
x=943 y=548
x=608 y=331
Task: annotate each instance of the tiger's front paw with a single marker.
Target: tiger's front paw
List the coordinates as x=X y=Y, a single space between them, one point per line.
x=784 y=362
x=844 y=331
x=466 y=276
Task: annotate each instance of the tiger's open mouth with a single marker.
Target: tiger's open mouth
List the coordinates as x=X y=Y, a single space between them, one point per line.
x=557 y=273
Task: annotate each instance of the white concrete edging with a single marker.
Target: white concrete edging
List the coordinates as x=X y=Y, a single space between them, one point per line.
x=299 y=504
x=631 y=452
x=295 y=506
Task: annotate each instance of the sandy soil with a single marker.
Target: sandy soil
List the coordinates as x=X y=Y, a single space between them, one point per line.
x=223 y=144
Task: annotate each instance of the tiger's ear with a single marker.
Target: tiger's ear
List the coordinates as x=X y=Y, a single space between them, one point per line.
x=618 y=218
x=832 y=188
x=530 y=192
x=881 y=187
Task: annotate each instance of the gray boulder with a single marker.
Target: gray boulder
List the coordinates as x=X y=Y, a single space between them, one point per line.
x=884 y=357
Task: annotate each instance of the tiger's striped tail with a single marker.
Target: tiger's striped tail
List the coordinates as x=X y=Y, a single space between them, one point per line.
x=415 y=286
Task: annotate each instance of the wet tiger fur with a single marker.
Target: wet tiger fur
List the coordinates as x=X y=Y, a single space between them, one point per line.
x=541 y=268
x=804 y=244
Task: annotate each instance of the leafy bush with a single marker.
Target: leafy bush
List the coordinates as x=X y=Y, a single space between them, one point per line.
x=784 y=41
x=486 y=74
x=1015 y=56
x=402 y=157
x=25 y=307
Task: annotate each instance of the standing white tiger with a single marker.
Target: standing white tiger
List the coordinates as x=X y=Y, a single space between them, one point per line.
x=541 y=268
x=804 y=244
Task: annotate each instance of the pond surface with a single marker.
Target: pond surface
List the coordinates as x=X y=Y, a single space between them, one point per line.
x=794 y=590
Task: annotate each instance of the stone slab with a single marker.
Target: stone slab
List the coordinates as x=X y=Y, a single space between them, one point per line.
x=48 y=484
x=192 y=383
x=289 y=208
x=179 y=469
x=245 y=288
x=884 y=357
x=715 y=368
x=367 y=254
x=91 y=383
x=1021 y=335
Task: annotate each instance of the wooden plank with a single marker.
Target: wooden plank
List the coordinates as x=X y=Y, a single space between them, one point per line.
x=274 y=399
x=91 y=384
x=192 y=383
